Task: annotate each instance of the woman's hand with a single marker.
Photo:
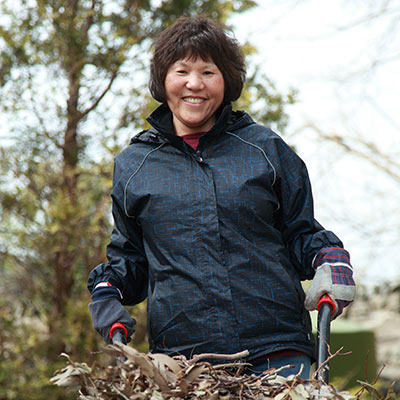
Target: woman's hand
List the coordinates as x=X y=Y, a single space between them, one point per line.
x=333 y=276
x=106 y=312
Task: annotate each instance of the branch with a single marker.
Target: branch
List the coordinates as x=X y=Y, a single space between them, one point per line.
x=368 y=17
x=366 y=385
x=42 y=123
x=383 y=162
x=338 y=353
x=82 y=114
x=232 y=365
x=274 y=371
x=88 y=22
x=134 y=8
x=214 y=356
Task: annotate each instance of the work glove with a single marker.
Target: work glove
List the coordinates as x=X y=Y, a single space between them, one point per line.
x=334 y=277
x=106 y=310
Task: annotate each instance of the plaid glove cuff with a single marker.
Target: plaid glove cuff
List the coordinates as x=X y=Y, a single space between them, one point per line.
x=332 y=255
x=339 y=261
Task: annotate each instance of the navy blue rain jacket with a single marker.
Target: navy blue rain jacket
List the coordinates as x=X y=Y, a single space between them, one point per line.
x=218 y=239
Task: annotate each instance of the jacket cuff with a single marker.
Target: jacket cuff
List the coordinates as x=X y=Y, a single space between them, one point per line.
x=333 y=256
x=104 y=290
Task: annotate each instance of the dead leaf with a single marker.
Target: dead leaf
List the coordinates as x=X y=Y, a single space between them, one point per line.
x=168 y=361
x=301 y=390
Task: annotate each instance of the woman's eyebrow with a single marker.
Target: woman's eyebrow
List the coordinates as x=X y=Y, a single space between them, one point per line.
x=182 y=63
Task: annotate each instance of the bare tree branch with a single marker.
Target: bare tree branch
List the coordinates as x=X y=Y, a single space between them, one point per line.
x=83 y=113
x=380 y=13
x=88 y=22
x=368 y=151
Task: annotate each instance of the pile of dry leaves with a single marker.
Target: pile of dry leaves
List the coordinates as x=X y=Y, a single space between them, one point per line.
x=160 y=377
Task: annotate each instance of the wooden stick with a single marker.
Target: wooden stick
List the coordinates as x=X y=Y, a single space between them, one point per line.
x=214 y=356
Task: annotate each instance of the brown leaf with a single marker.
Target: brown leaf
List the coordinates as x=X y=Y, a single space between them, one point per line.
x=72 y=375
x=161 y=380
x=194 y=372
x=168 y=361
x=140 y=359
x=191 y=374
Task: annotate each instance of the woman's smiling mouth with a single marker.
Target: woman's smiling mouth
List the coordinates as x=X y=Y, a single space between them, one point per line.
x=193 y=100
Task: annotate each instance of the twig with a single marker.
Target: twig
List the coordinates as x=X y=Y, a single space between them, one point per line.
x=214 y=356
x=119 y=392
x=249 y=389
x=300 y=370
x=379 y=374
x=272 y=372
x=363 y=388
x=366 y=367
x=229 y=365
x=315 y=374
x=290 y=387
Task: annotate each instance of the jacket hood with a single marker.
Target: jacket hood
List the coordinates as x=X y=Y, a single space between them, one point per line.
x=163 y=130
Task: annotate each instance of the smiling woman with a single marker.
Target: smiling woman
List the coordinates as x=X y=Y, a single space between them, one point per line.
x=213 y=220
x=195 y=90
x=198 y=38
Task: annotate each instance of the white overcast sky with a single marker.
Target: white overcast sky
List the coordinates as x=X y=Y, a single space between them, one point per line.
x=303 y=44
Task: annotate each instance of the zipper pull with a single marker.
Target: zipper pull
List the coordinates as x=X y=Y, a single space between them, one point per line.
x=201 y=159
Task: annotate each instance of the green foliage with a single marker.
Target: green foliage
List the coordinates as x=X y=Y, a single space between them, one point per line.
x=24 y=363
x=73 y=79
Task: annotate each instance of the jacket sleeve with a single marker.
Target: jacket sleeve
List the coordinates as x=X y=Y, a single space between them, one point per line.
x=302 y=234
x=127 y=267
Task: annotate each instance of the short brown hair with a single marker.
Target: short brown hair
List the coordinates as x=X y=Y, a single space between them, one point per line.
x=197 y=37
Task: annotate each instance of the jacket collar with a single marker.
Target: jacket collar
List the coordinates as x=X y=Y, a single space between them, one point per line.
x=161 y=119
x=163 y=130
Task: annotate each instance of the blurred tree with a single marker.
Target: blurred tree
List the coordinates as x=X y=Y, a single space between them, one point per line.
x=73 y=88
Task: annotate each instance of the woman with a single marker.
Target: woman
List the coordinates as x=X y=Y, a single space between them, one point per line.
x=214 y=219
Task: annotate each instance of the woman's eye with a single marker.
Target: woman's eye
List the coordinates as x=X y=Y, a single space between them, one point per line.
x=181 y=71
x=208 y=73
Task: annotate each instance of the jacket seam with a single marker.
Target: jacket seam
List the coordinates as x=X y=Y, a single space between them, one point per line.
x=264 y=154
x=259 y=148
x=132 y=176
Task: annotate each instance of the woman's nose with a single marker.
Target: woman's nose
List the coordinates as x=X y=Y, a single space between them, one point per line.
x=194 y=82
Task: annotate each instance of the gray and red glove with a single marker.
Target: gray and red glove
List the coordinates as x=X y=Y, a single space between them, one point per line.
x=334 y=277
x=108 y=313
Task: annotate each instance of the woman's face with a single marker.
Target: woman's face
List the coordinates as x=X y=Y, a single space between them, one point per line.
x=195 y=90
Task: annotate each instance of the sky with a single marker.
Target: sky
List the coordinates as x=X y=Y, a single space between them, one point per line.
x=324 y=51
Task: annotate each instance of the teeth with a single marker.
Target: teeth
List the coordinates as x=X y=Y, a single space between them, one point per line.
x=194 y=100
